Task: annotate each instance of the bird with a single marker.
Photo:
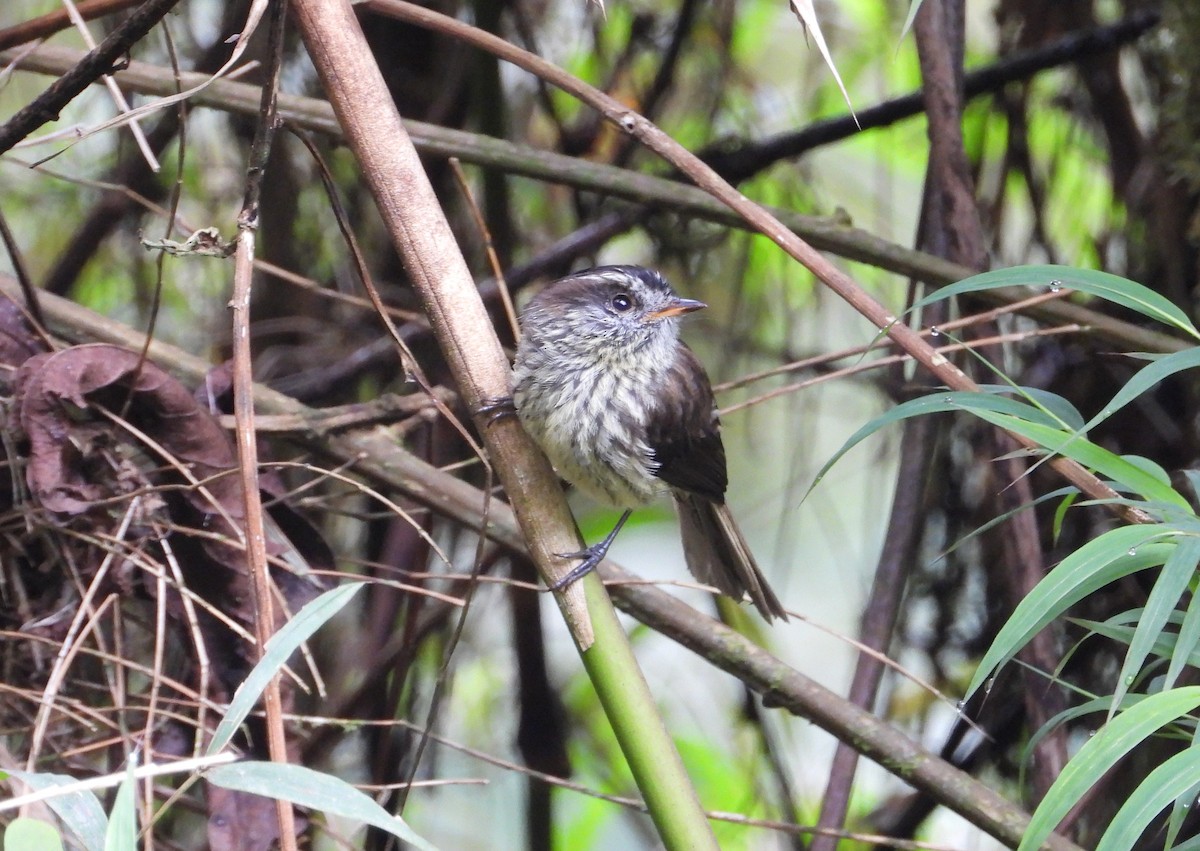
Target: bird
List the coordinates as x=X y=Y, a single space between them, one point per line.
x=625 y=412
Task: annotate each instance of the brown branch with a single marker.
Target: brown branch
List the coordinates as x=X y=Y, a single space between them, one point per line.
x=17 y=258
x=435 y=266
x=1082 y=46
x=243 y=409
x=878 y=622
x=52 y=22
x=96 y=64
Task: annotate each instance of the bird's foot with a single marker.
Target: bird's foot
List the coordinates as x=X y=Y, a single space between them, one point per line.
x=592 y=556
x=496 y=409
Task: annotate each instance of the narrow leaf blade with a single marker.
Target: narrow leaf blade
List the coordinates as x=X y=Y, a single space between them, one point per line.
x=281 y=646
x=314 y=790
x=1164 y=597
x=1117 y=553
x=1101 y=752
x=1112 y=288
x=80 y=811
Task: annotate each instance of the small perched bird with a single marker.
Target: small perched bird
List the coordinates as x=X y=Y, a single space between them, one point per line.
x=625 y=412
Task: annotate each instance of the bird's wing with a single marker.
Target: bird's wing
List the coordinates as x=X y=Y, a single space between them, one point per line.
x=685 y=434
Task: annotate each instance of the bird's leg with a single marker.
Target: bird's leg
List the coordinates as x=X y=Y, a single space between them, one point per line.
x=497 y=408
x=591 y=556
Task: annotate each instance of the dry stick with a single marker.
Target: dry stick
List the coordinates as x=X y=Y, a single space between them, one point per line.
x=243 y=409
x=172 y=213
x=707 y=179
x=17 y=258
x=858 y=351
x=489 y=246
x=887 y=360
x=93 y=66
x=118 y=97
x=553 y=780
x=377 y=456
x=825 y=233
x=49 y=24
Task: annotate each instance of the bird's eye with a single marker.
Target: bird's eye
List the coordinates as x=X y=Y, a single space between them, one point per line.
x=621 y=302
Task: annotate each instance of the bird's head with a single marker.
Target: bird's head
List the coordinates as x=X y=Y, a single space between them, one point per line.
x=607 y=311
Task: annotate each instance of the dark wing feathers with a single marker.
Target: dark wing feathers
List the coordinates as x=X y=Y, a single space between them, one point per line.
x=685 y=435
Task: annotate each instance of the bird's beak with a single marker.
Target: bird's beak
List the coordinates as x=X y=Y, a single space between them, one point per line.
x=675 y=308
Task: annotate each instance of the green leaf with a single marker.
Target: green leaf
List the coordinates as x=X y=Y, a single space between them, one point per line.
x=1177 y=571
x=1149 y=483
x=1060 y=514
x=1192 y=844
x=1186 y=642
x=122 y=821
x=1057 y=410
x=807 y=14
x=80 y=811
x=1002 y=518
x=1112 y=288
x=281 y=646
x=1182 y=805
x=934 y=403
x=314 y=790
x=30 y=834
x=1169 y=781
x=1116 y=553
x=914 y=6
x=1145 y=379
x=1073 y=713
x=1101 y=752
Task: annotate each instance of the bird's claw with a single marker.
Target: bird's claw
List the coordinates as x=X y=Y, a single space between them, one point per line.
x=496 y=409
x=592 y=556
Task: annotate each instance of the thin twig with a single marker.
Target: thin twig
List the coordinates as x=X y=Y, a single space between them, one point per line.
x=818 y=360
x=243 y=404
x=70 y=644
x=856 y=369
x=489 y=247
x=97 y=63
x=171 y=213
x=58 y=20
x=17 y=258
x=114 y=90
x=411 y=366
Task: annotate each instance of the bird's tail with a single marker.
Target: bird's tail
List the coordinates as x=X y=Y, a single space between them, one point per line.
x=717 y=554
